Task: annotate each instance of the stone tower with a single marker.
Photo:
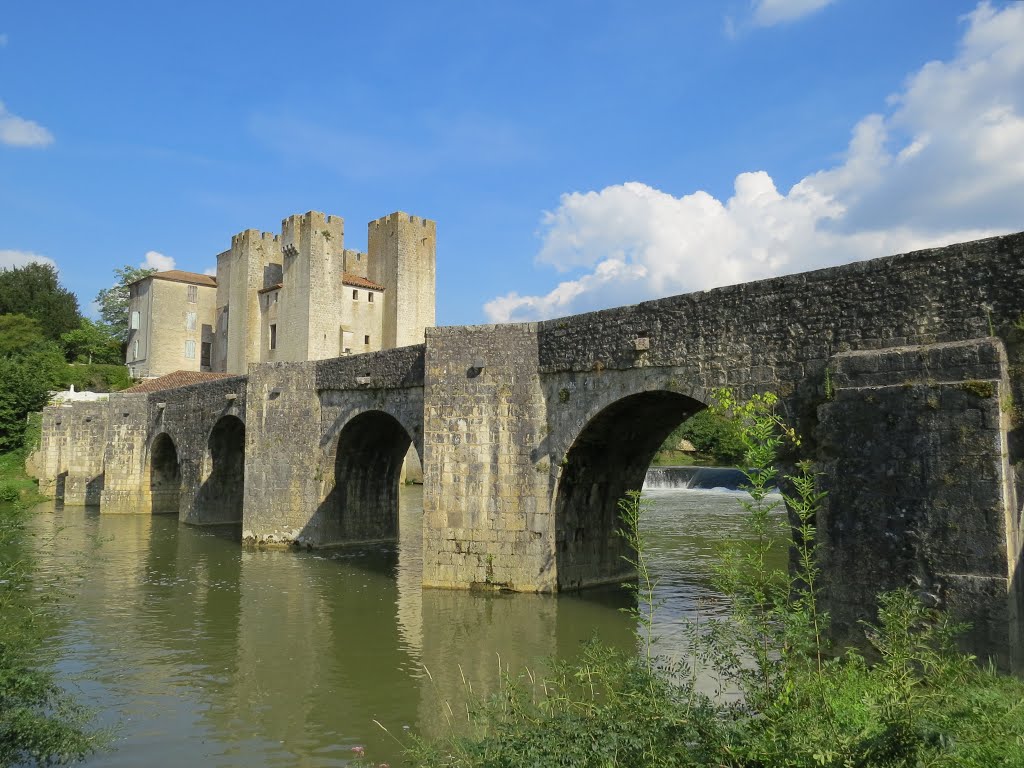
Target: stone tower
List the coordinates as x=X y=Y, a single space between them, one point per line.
x=402 y=253
x=313 y=251
x=240 y=274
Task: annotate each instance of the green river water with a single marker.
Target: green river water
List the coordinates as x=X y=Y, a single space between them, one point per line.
x=199 y=652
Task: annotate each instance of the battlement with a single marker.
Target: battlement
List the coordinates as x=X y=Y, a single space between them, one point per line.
x=400 y=217
x=249 y=236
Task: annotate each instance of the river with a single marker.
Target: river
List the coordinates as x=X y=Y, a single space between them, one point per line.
x=199 y=652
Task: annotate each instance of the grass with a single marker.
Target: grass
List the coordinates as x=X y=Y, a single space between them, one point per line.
x=15 y=485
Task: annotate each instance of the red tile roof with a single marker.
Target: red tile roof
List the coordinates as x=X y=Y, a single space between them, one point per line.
x=356 y=281
x=175 y=380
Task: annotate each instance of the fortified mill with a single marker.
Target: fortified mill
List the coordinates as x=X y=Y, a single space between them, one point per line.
x=905 y=374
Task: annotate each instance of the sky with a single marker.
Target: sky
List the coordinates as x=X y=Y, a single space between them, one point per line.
x=575 y=154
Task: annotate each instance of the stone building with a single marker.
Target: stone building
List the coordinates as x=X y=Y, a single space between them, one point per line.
x=294 y=296
x=171 y=323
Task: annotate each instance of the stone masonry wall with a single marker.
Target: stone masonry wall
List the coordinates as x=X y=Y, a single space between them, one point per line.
x=916 y=466
x=486 y=519
x=296 y=412
x=73 y=439
x=778 y=334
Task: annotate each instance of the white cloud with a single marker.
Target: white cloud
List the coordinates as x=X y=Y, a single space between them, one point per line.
x=768 y=13
x=11 y=258
x=945 y=165
x=156 y=260
x=211 y=271
x=19 y=132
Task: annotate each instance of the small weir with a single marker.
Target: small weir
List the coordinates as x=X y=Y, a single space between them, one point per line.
x=694 y=478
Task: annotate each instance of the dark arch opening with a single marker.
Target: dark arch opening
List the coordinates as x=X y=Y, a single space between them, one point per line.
x=609 y=457
x=220 y=497
x=164 y=475
x=363 y=504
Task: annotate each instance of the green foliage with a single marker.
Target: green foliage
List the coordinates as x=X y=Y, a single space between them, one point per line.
x=96 y=377
x=19 y=334
x=34 y=291
x=40 y=723
x=25 y=383
x=800 y=704
x=91 y=342
x=113 y=301
x=712 y=433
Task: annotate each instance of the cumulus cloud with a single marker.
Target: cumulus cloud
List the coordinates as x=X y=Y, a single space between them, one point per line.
x=12 y=258
x=943 y=165
x=156 y=260
x=768 y=13
x=18 y=132
x=211 y=271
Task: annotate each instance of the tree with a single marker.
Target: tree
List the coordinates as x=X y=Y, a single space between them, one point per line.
x=19 y=334
x=25 y=384
x=34 y=291
x=91 y=343
x=113 y=301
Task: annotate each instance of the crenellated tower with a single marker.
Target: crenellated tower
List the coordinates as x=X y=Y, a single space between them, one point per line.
x=313 y=259
x=402 y=258
x=244 y=267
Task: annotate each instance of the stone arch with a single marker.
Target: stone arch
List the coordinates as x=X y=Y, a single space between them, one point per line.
x=164 y=475
x=361 y=489
x=220 y=496
x=609 y=456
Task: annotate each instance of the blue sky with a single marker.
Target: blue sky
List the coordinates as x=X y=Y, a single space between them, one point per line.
x=574 y=154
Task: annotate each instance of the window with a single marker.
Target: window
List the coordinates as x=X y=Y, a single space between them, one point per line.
x=204 y=354
x=190 y=321
x=355 y=295
x=369 y=296
x=135 y=350
x=366 y=339
x=134 y=325
x=193 y=294
x=273 y=336
x=190 y=349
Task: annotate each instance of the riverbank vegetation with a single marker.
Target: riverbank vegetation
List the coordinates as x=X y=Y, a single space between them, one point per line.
x=45 y=345
x=786 y=699
x=711 y=437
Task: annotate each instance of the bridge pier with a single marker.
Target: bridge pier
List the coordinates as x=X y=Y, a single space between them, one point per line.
x=486 y=471
x=921 y=490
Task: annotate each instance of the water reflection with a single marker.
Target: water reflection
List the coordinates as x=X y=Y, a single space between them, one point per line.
x=202 y=652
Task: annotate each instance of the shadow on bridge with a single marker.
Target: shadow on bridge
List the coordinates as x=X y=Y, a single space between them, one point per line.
x=164 y=475
x=219 y=500
x=361 y=500
x=609 y=457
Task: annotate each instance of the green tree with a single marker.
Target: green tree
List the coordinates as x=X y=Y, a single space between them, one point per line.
x=25 y=384
x=34 y=291
x=712 y=433
x=19 y=334
x=113 y=301
x=91 y=343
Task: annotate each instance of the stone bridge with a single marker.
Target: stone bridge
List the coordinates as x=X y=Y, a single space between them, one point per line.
x=904 y=373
